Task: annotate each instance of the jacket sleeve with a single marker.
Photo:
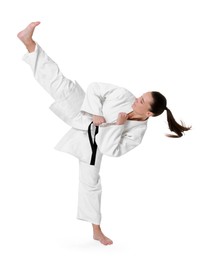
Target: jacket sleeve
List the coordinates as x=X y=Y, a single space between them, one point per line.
x=96 y=95
x=113 y=141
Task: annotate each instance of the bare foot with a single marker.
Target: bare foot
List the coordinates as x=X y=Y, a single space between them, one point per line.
x=98 y=235
x=26 y=36
x=103 y=239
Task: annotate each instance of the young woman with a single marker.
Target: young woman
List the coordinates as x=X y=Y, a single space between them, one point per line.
x=107 y=119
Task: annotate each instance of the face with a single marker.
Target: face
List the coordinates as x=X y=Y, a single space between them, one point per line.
x=142 y=105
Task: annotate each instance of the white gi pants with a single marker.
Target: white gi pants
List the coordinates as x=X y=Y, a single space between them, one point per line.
x=89 y=195
x=48 y=75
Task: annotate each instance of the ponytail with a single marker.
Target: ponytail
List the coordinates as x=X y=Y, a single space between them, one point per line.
x=174 y=126
x=158 y=106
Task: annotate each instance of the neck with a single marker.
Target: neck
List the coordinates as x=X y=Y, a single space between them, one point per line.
x=134 y=116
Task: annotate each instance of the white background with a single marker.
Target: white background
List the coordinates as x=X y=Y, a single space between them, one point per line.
x=152 y=200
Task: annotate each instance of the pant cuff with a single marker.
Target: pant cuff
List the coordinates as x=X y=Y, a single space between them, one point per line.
x=93 y=221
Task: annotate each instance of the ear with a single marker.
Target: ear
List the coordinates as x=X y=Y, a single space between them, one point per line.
x=148 y=114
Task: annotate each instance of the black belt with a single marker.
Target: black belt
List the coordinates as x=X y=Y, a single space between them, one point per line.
x=93 y=144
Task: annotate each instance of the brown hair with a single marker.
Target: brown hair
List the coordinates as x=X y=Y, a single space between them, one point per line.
x=157 y=108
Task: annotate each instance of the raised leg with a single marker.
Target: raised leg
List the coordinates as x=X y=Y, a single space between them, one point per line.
x=68 y=95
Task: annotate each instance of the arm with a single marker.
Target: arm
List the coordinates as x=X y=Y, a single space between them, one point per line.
x=113 y=140
x=96 y=95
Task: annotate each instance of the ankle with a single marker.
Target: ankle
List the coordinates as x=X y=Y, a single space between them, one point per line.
x=30 y=45
x=96 y=228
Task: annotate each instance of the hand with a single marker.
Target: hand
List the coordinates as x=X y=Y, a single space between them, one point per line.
x=122 y=118
x=98 y=120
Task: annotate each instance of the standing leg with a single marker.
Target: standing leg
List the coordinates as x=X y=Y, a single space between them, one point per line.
x=89 y=199
x=89 y=196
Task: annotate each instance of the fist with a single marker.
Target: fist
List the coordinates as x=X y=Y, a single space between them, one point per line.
x=122 y=118
x=98 y=120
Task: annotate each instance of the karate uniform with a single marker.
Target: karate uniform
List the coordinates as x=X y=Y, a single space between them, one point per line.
x=76 y=108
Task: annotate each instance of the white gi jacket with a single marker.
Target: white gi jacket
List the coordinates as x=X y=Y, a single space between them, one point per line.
x=106 y=100
x=76 y=108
